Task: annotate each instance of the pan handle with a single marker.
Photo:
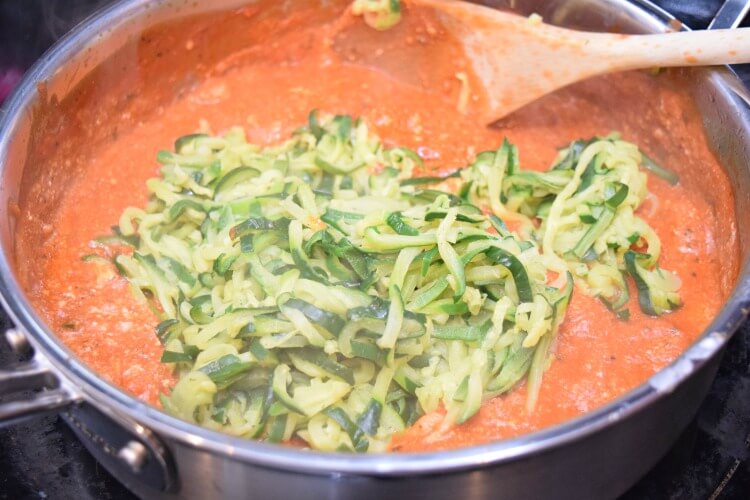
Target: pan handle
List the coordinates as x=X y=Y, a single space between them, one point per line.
x=31 y=387
x=130 y=451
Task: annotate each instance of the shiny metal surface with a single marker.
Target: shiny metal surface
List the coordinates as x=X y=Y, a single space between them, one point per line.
x=37 y=375
x=134 y=454
x=596 y=456
x=730 y=15
x=17 y=341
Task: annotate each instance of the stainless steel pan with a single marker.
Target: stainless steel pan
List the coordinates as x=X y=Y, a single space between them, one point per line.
x=595 y=456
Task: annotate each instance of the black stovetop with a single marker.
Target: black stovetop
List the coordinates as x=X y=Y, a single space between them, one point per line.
x=41 y=458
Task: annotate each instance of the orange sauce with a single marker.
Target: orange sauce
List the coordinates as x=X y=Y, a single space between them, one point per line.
x=269 y=89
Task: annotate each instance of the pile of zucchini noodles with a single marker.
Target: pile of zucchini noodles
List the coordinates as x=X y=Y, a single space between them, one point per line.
x=584 y=209
x=317 y=290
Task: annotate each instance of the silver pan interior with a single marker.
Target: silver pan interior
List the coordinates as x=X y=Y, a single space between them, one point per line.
x=108 y=44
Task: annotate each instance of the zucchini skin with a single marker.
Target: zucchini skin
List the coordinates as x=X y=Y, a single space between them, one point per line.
x=648 y=287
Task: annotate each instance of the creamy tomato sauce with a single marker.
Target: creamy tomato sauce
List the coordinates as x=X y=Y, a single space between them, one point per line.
x=269 y=88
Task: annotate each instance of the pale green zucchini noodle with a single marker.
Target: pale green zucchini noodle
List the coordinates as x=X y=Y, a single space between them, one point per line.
x=378 y=14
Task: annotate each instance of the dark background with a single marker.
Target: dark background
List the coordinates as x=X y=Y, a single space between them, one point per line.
x=41 y=458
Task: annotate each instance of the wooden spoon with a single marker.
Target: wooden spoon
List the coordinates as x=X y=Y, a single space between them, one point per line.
x=518 y=60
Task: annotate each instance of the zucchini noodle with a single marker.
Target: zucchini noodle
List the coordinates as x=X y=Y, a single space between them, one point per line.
x=378 y=14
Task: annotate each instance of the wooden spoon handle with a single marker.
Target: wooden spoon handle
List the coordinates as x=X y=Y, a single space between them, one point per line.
x=517 y=60
x=685 y=48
